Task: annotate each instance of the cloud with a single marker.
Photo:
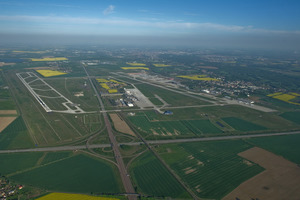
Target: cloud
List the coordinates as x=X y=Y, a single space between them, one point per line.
x=121 y=23
x=109 y=10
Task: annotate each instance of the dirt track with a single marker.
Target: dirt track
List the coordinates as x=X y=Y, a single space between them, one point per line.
x=280 y=180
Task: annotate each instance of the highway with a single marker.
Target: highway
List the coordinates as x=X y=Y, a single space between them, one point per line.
x=114 y=144
x=94 y=146
x=62 y=148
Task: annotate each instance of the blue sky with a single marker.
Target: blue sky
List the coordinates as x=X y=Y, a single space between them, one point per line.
x=258 y=20
x=142 y=17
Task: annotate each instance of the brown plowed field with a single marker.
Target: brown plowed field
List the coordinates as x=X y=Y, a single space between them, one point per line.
x=8 y=112
x=5 y=121
x=120 y=125
x=280 y=180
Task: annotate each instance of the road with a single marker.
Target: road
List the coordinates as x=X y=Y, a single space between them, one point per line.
x=114 y=144
x=62 y=148
x=94 y=146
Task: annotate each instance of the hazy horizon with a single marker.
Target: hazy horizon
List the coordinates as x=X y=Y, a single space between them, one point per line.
x=231 y=24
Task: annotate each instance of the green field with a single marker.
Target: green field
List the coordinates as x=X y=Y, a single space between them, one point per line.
x=201 y=126
x=242 y=125
x=286 y=146
x=148 y=124
x=54 y=156
x=292 y=116
x=15 y=136
x=7 y=105
x=264 y=120
x=267 y=120
x=210 y=169
x=153 y=179
x=77 y=174
x=11 y=163
x=161 y=128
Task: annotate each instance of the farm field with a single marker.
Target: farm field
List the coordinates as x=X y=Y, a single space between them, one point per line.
x=66 y=196
x=202 y=126
x=110 y=85
x=210 y=169
x=161 y=65
x=80 y=174
x=50 y=73
x=15 y=136
x=128 y=68
x=207 y=121
x=280 y=179
x=292 y=116
x=5 y=121
x=286 y=97
x=136 y=64
x=7 y=105
x=153 y=179
x=18 y=162
x=49 y=157
x=173 y=127
x=120 y=125
x=199 y=78
x=161 y=128
x=8 y=112
x=286 y=146
x=267 y=120
x=38 y=52
x=49 y=59
x=242 y=125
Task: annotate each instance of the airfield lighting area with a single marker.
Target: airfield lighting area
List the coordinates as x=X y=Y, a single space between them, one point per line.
x=124 y=128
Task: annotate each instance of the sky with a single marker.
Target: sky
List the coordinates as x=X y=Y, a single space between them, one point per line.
x=245 y=22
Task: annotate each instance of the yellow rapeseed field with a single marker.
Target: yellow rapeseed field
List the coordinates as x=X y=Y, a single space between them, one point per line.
x=199 y=78
x=65 y=196
x=114 y=81
x=136 y=64
x=30 y=52
x=274 y=94
x=105 y=86
x=101 y=80
x=146 y=68
x=112 y=91
x=49 y=59
x=295 y=94
x=285 y=97
x=161 y=65
x=49 y=73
